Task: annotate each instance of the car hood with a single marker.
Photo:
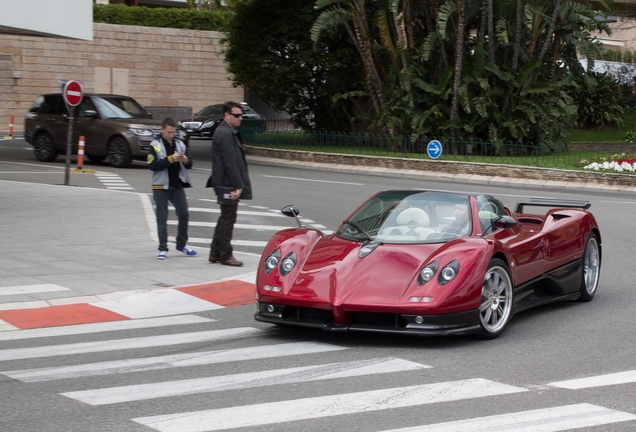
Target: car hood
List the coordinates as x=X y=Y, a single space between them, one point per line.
x=201 y=119
x=332 y=272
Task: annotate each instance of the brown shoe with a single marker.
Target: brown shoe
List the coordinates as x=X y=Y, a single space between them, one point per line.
x=232 y=262
x=215 y=259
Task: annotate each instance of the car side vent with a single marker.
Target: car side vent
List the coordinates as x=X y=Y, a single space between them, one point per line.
x=559 y=216
x=5 y=57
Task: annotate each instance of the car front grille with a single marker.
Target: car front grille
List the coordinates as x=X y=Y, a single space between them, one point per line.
x=379 y=320
x=191 y=125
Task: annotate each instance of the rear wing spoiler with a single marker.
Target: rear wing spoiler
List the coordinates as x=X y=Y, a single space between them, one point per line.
x=548 y=202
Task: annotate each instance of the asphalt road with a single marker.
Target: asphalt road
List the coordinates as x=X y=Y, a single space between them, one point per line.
x=382 y=383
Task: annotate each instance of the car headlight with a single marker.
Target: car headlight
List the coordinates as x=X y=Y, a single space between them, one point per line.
x=288 y=264
x=427 y=273
x=141 y=132
x=179 y=123
x=179 y=134
x=271 y=261
x=449 y=272
x=208 y=124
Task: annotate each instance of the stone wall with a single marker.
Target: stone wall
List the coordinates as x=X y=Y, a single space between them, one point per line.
x=163 y=66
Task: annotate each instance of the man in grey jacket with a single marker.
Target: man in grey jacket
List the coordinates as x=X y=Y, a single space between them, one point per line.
x=169 y=160
x=230 y=180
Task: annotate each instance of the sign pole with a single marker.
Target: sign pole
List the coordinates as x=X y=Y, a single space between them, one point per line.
x=69 y=138
x=72 y=93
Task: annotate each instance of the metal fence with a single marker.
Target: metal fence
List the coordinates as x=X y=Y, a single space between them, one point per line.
x=576 y=156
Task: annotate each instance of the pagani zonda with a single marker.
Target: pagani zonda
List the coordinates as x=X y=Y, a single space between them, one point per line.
x=430 y=263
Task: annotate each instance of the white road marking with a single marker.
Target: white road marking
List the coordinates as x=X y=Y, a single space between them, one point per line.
x=103 y=327
x=313 y=180
x=236 y=225
x=125 y=344
x=240 y=212
x=31 y=289
x=157 y=303
x=563 y=418
x=243 y=381
x=207 y=241
x=325 y=406
x=597 y=381
x=5 y=326
x=171 y=361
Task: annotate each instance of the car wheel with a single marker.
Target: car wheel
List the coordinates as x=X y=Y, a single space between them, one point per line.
x=95 y=158
x=591 y=268
x=119 y=153
x=44 y=148
x=495 y=309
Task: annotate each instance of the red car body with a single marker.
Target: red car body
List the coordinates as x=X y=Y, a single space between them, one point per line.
x=506 y=262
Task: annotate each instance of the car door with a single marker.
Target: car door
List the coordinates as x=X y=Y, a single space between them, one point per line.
x=54 y=120
x=87 y=126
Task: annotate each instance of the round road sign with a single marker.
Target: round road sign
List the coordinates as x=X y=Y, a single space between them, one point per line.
x=72 y=93
x=434 y=149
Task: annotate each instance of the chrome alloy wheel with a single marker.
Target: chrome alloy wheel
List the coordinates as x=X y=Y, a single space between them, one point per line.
x=591 y=266
x=496 y=300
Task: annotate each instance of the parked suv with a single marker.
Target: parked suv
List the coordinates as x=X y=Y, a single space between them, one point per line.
x=205 y=121
x=114 y=127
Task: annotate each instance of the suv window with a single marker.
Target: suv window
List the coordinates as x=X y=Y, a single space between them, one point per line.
x=113 y=107
x=48 y=104
x=86 y=105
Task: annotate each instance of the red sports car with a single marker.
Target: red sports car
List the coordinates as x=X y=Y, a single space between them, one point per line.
x=430 y=263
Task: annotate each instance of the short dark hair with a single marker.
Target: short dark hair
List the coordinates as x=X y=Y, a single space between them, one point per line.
x=227 y=106
x=168 y=122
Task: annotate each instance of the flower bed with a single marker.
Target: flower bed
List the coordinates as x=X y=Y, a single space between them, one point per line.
x=617 y=163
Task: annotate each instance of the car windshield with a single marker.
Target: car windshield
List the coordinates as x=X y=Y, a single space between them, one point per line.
x=119 y=107
x=211 y=110
x=410 y=217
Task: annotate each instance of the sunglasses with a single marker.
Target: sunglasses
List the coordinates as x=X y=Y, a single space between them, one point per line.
x=236 y=115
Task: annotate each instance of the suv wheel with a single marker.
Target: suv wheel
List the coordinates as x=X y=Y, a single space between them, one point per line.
x=119 y=153
x=44 y=147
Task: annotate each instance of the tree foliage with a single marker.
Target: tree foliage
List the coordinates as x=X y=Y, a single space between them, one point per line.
x=270 y=52
x=490 y=69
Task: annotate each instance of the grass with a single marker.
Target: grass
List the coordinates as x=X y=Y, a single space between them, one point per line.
x=607 y=133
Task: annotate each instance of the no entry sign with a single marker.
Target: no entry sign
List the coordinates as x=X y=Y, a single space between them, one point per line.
x=72 y=93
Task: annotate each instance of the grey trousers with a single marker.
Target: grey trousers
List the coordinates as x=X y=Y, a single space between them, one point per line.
x=178 y=198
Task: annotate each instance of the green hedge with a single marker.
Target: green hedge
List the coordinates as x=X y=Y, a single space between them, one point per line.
x=161 y=17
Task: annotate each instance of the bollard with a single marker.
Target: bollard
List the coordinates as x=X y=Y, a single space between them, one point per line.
x=10 y=136
x=80 y=153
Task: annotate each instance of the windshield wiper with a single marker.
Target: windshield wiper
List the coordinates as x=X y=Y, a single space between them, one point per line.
x=358 y=227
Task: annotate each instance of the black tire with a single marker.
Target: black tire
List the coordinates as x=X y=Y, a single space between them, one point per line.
x=591 y=268
x=44 y=148
x=495 y=309
x=95 y=158
x=119 y=153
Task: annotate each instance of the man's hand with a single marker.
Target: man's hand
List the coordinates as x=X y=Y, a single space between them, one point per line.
x=236 y=194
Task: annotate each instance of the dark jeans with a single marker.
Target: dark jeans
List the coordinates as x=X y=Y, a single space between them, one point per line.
x=178 y=199
x=221 y=246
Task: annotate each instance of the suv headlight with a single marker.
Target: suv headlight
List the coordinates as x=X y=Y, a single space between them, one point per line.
x=208 y=124
x=179 y=134
x=141 y=132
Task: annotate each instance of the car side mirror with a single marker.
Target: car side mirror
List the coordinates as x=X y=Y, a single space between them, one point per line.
x=90 y=113
x=505 y=221
x=292 y=211
x=502 y=222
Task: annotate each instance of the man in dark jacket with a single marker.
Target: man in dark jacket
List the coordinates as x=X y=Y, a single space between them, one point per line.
x=230 y=179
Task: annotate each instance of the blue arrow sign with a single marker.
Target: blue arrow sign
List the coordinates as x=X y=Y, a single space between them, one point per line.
x=434 y=149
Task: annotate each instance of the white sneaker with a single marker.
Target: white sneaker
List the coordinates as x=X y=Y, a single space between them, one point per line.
x=162 y=255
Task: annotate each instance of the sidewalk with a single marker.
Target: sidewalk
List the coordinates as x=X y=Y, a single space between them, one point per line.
x=66 y=245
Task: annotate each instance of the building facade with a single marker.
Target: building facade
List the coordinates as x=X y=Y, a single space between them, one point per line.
x=156 y=66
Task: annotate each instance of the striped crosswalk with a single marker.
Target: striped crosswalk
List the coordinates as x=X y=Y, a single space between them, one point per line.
x=206 y=359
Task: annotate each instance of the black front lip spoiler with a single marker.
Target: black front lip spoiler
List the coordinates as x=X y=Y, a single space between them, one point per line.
x=463 y=323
